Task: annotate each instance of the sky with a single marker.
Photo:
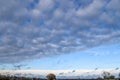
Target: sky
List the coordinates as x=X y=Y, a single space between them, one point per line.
x=59 y=34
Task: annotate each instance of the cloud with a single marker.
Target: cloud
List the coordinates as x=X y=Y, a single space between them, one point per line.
x=40 y=28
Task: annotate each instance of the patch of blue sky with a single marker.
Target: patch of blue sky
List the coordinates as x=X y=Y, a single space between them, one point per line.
x=102 y=57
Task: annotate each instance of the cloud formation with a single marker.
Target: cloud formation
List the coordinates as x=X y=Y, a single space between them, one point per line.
x=33 y=29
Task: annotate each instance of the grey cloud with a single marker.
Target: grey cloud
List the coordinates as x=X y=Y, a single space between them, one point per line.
x=30 y=32
x=93 y=9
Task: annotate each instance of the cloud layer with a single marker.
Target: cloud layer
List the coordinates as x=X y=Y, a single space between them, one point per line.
x=33 y=29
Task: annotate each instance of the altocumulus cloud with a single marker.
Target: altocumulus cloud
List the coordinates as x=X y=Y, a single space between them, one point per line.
x=31 y=29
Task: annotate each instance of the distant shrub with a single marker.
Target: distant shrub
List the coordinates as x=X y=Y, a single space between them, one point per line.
x=51 y=76
x=108 y=76
x=99 y=78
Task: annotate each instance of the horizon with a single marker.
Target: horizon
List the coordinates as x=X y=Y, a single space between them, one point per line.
x=59 y=34
x=62 y=74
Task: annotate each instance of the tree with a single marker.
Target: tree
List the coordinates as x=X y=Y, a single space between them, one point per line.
x=106 y=75
x=51 y=76
x=111 y=77
x=99 y=78
x=119 y=75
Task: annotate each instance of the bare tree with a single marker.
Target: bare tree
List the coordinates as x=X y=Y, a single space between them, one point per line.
x=106 y=75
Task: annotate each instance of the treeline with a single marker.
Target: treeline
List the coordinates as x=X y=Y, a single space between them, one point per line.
x=106 y=76
x=7 y=77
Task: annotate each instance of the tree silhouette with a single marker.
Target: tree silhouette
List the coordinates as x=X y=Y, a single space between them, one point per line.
x=51 y=76
x=119 y=75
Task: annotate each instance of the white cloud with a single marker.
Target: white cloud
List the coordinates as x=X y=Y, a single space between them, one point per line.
x=91 y=10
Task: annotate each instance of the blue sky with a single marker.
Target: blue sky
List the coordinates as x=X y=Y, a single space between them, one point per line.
x=103 y=57
x=59 y=34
